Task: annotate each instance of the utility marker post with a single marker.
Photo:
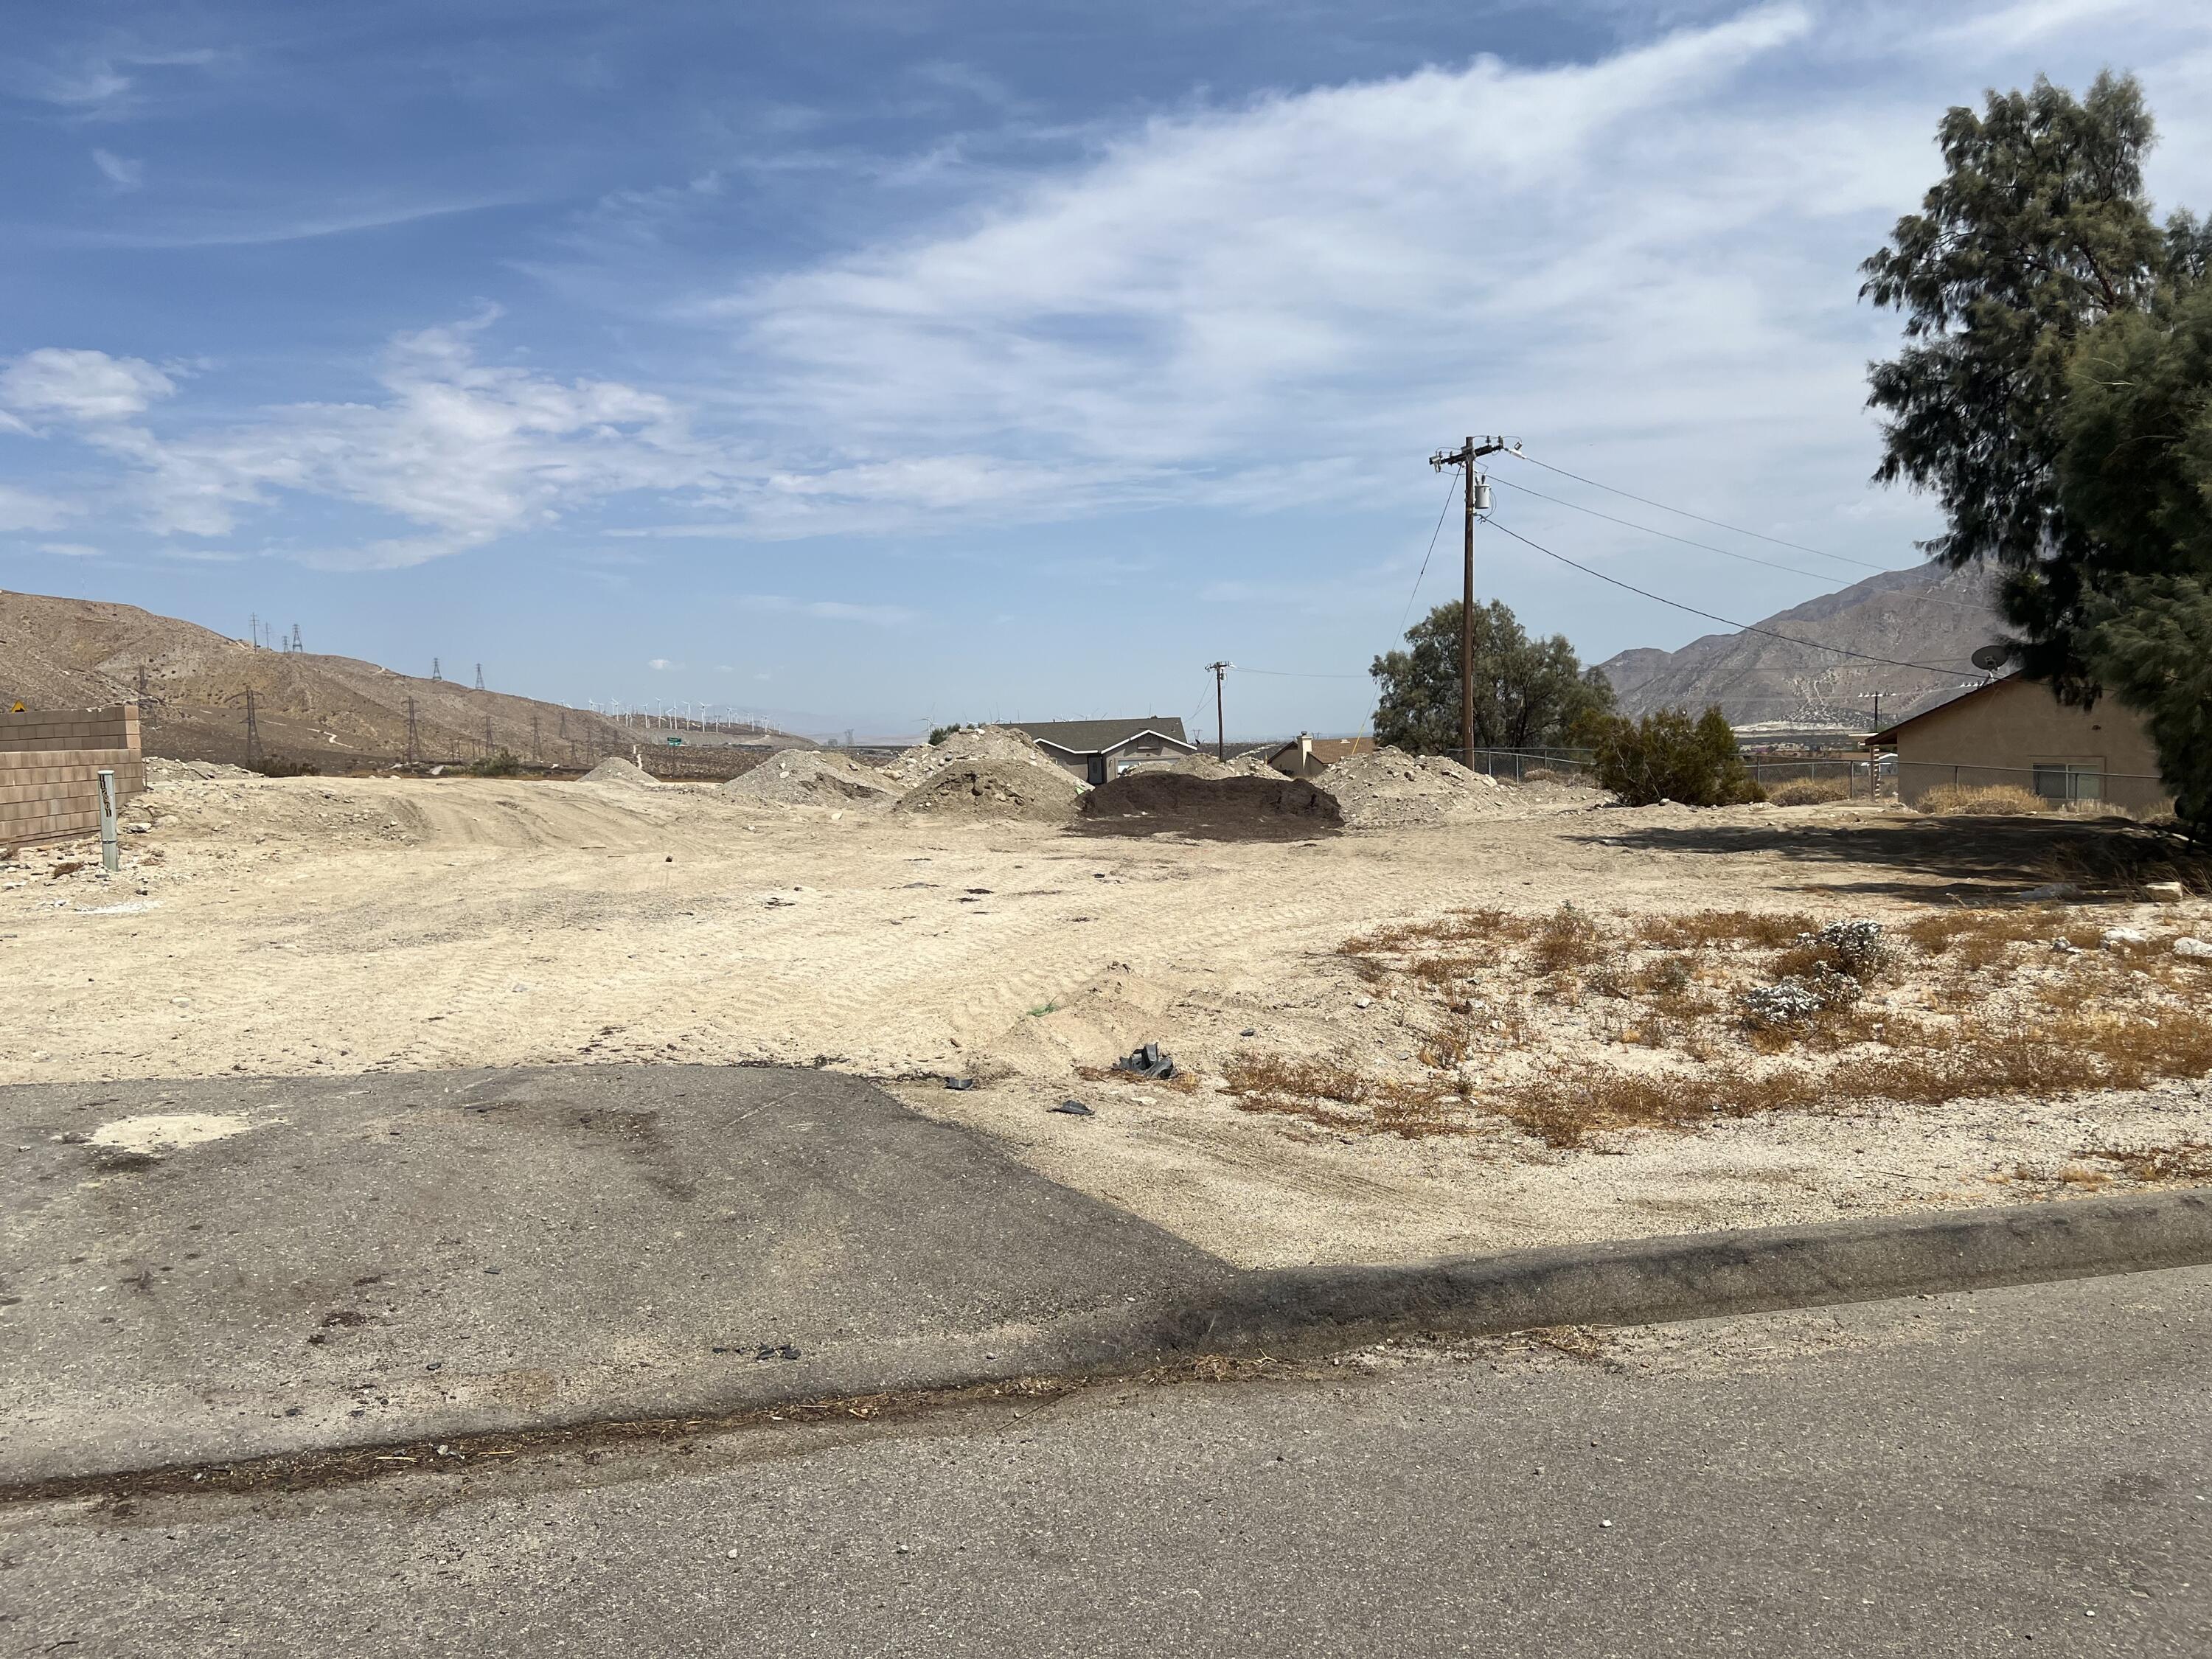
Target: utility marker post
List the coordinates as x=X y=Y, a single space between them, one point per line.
x=111 y=855
x=1221 y=735
x=1478 y=501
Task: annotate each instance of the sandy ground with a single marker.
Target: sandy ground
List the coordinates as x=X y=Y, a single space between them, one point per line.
x=312 y=926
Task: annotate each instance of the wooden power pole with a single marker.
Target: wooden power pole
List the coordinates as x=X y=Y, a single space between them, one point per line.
x=1220 y=734
x=1478 y=501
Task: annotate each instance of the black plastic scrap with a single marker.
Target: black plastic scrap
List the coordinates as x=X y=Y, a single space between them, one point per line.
x=960 y=1083
x=1147 y=1062
x=1074 y=1109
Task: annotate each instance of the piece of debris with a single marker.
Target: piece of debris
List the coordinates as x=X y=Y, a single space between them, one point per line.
x=2065 y=947
x=1146 y=1062
x=2114 y=938
x=959 y=1083
x=2165 y=892
x=2050 y=889
x=1074 y=1109
x=777 y=1351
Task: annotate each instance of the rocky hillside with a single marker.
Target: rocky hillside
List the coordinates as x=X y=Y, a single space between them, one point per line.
x=79 y=653
x=1925 y=614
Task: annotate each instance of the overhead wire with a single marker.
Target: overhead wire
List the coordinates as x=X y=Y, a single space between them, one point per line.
x=1451 y=489
x=1683 y=512
x=1727 y=621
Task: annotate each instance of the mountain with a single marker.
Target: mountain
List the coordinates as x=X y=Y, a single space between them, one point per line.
x=1925 y=615
x=82 y=653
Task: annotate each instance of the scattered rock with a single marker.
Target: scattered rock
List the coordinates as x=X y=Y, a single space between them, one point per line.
x=2050 y=890
x=2119 y=939
x=2165 y=892
x=2197 y=948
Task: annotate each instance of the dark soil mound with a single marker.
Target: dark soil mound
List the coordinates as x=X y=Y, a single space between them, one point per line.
x=1175 y=803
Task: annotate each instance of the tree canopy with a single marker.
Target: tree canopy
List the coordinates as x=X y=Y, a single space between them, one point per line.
x=1527 y=693
x=2037 y=232
x=2054 y=391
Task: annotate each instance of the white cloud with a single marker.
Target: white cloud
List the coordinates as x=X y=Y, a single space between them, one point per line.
x=71 y=549
x=120 y=171
x=875 y=616
x=57 y=382
x=461 y=451
x=26 y=509
x=662 y=666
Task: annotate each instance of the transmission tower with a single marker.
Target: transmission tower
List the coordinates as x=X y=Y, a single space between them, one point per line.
x=435 y=673
x=254 y=630
x=480 y=677
x=410 y=731
x=252 y=735
x=297 y=648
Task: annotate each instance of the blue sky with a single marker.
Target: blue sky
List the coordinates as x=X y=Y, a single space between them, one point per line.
x=868 y=361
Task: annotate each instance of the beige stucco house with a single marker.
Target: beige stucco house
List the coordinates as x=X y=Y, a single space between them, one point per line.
x=2015 y=731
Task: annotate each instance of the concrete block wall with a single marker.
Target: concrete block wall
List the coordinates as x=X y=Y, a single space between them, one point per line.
x=49 y=762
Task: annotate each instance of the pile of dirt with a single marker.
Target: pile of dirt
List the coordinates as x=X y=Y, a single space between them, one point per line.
x=980 y=746
x=162 y=773
x=994 y=789
x=814 y=777
x=615 y=769
x=1225 y=807
x=1390 y=788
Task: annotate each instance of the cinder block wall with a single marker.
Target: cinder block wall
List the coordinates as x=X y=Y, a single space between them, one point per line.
x=49 y=762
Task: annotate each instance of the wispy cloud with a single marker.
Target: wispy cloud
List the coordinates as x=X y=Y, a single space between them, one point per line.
x=26 y=509
x=874 y=615
x=100 y=86
x=119 y=170
x=71 y=550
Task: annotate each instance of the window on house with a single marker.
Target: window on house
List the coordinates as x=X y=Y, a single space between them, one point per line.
x=2069 y=781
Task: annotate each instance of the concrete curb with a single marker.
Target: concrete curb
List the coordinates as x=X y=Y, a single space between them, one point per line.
x=1307 y=1311
x=1709 y=1275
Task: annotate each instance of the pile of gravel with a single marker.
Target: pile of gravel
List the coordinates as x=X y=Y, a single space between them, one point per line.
x=994 y=789
x=615 y=769
x=814 y=777
x=1390 y=787
x=981 y=746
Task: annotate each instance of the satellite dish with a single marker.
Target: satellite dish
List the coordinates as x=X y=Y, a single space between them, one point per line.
x=1990 y=658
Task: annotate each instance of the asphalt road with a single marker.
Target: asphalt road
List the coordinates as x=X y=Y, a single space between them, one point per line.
x=2025 y=1471
x=313 y=1263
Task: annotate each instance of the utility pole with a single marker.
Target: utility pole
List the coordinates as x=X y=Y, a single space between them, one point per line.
x=1478 y=501
x=254 y=630
x=410 y=731
x=252 y=735
x=536 y=754
x=434 y=674
x=1877 y=711
x=480 y=685
x=1221 y=735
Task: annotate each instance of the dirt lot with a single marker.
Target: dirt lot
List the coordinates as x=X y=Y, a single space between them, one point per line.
x=1452 y=1082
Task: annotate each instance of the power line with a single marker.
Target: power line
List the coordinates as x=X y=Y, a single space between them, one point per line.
x=1558 y=501
x=1717 y=524
x=1283 y=674
x=1451 y=489
x=1745 y=628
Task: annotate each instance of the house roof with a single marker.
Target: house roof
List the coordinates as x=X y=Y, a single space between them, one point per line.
x=1327 y=750
x=1099 y=737
x=1887 y=739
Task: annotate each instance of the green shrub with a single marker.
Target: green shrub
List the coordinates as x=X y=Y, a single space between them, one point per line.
x=501 y=765
x=1667 y=756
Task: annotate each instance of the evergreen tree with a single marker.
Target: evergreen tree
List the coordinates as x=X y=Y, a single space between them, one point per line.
x=1667 y=756
x=2136 y=474
x=1527 y=693
x=2037 y=231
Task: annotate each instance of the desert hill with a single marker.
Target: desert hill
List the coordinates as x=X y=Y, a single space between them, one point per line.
x=77 y=654
x=1925 y=615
